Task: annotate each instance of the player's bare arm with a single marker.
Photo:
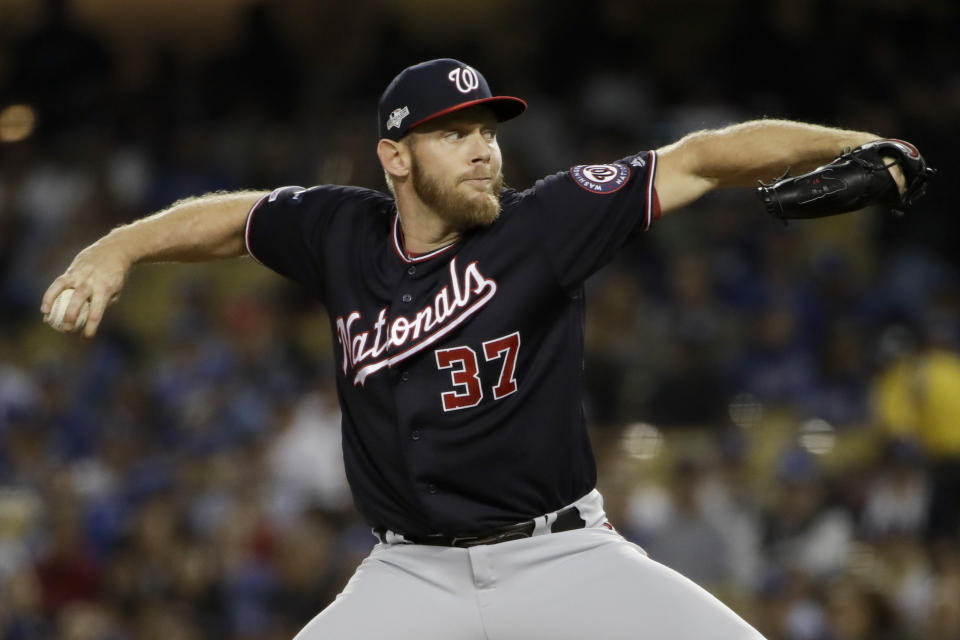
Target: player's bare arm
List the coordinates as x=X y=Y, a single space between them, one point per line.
x=742 y=154
x=196 y=229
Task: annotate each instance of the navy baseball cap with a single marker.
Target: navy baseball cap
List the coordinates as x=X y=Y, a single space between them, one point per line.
x=435 y=88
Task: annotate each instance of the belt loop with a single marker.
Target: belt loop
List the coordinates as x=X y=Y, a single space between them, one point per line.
x=541 y=524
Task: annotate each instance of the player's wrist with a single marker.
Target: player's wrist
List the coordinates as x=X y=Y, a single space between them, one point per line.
x=858 y=139
x=121 y=245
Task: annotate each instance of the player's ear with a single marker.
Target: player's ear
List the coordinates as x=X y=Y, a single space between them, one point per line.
x=394 y=156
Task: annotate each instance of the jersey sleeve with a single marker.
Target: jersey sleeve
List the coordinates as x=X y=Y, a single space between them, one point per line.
x=585 y=214
x=284 y=230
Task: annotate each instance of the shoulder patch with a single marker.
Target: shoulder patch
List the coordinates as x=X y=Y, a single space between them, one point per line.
x=601 y=178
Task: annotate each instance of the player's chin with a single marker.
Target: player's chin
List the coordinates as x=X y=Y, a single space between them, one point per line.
x=474 y=213
x=486 y=213
x=475 y=192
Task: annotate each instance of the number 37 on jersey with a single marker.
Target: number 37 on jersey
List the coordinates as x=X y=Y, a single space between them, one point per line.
x=464 y=366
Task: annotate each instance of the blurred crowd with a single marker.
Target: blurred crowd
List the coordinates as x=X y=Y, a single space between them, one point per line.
x=774 y=408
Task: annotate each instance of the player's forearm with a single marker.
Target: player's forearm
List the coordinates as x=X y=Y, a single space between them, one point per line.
x=203 y=228
x=741 y=154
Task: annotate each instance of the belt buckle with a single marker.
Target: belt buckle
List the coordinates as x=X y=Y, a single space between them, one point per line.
x=465 y=541
x=468 y=541
x=516 y=531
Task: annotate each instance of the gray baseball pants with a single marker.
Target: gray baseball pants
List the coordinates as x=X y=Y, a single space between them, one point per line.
x=586 y=583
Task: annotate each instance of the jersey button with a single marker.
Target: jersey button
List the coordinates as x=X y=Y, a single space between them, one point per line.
x=406 y=297
x=415 y=434
x=432 y=488
x=411 y=270
x=405 y=376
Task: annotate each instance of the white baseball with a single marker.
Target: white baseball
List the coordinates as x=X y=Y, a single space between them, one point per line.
x=59 y=308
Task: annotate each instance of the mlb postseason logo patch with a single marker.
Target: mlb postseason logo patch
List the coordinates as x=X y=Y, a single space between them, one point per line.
x=601 y=178
x=396 y=117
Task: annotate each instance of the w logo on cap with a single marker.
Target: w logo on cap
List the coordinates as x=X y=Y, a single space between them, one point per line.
x=465 y=78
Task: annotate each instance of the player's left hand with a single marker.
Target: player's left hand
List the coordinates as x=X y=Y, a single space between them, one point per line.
x=906 y=166
x=885 y=172
x=896 y=173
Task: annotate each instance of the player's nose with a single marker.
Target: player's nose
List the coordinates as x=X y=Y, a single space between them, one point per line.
x=480 y=148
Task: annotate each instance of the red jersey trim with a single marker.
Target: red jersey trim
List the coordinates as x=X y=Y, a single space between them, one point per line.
x=653 y=202
x=246 y=229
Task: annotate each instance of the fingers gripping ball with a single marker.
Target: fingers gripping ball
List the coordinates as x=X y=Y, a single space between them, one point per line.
x=59 y=308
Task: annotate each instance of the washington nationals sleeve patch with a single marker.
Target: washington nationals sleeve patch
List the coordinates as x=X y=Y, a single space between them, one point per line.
x=601 y=178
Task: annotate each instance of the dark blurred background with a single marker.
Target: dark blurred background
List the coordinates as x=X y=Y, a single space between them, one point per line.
x=774 y=408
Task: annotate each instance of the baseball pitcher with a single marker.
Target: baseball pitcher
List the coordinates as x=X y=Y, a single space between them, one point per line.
x=457 y=308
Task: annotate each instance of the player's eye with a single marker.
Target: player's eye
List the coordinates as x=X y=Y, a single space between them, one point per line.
x=490 y=134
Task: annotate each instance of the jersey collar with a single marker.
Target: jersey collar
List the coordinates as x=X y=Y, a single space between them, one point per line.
x=402 y=252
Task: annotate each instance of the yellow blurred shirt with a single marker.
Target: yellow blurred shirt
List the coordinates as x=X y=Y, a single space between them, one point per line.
x=919 y=397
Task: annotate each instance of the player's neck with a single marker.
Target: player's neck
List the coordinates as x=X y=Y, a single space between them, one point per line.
x=423 y=229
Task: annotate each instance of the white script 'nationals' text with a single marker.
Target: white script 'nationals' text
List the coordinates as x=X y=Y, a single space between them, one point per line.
x=466 y=294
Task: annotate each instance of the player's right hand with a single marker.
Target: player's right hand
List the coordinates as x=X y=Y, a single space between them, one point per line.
x=96 y=274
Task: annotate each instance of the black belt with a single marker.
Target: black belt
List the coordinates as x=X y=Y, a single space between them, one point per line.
x=567 y=520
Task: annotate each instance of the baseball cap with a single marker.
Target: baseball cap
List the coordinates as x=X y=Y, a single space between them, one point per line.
x=434 y=88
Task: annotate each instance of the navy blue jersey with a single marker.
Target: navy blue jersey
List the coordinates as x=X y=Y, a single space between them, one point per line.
x=459 y=371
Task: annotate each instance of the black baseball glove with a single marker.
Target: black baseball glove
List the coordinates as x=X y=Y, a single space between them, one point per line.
x=854 y=180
